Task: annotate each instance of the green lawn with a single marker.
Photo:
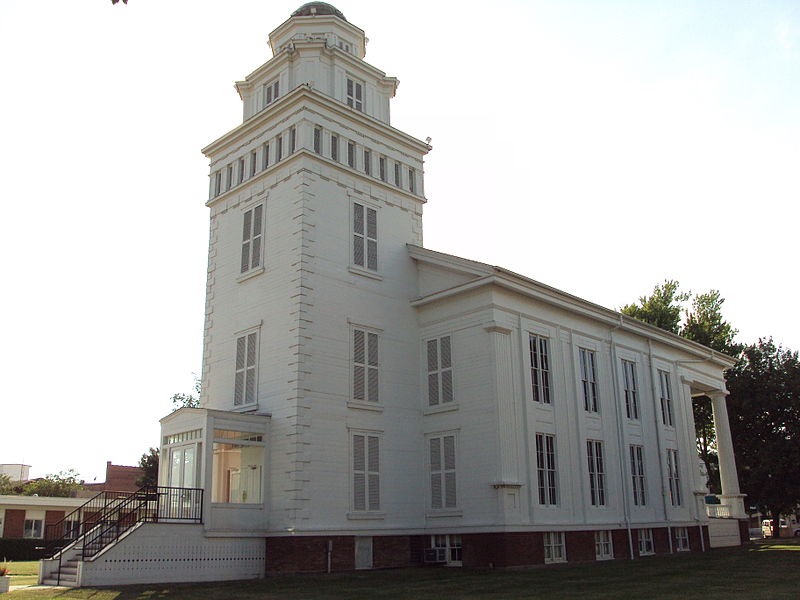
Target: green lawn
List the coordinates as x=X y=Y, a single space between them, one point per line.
x=23 y=573
x=761 y=571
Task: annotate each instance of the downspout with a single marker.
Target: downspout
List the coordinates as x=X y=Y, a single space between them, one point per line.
x=658 y=443
x=620 y=441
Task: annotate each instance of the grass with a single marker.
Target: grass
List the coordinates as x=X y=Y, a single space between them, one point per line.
x=762 y=571
x=23 y=573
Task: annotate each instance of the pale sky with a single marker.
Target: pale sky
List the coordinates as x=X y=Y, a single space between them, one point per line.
x=596 y=146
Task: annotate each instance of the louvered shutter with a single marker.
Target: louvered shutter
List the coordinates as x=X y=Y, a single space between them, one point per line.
x=436 y=472
x=373 y=466
x=246 y=234
x=257 y=234
x=238 y=390
x=359 y=474
x=372 y=372
x=447 y=369
x=250 y=380
x=358 y=365
x=449 y=442
x=372 y=239
x=433 y=375
x=358 y=235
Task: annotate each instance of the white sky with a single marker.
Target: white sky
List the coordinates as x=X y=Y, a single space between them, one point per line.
x=597 y=146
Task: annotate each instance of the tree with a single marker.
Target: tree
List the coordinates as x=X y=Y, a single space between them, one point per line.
x=148 y=463
x=181 y=400
x=662 y=309
x=705 y=325
x=60 y=485
x=6 y=485
x=764 y=412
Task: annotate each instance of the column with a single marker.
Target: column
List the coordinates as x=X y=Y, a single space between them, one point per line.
x=729 y=480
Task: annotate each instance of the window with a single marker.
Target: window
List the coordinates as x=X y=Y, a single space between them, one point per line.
x=241 y=170
x=292 y=140
x=540 y=368
x=588 y=379
x=446 y=549
x=603 y=546
x=412 y=181
x=365 y=237
x=382 y=168
x=546 y=469
x=351 y=154
x=229 y=179
x=237 y=467
x=666 y=398
x=443 y=471
x=597 y=483
x=645 y=541
x=674 y=477
x=33 y=528
x=217 y=183
x=637 y=475
x=317 y=140
x=554 y=550
x=440 y=371
x=397 y=175
x=631 y=394
x=244 y=391
x=355 y=94
x=365 y=366
x=279 y=148
x=366 y=473
x=253 y=162
x=265 y=157
x=251 y=238
x=367 y=162
x=335 y=148
x=345 y=46
x=270 y=93
x=682 y=539
x=72 y=529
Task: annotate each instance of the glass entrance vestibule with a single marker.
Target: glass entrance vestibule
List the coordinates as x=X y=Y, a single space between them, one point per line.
x=225 y=454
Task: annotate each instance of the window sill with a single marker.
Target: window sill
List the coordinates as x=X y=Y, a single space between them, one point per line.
x=366 y=516
x=364 y=406
x=249 y=274
x=444 y=513
x=441 y=408
x=243 y=408
x=555 y=561
x=364 y=273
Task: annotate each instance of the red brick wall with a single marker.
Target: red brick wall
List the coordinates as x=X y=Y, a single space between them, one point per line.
x=694 y=538
x=309 y=554
x=661 y=540
x=391 y=551
x=619 y=538
x=14 y=523
x=486 y=550
x=580 y=546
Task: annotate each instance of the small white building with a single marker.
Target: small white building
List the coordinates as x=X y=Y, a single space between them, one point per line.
x=367 y=402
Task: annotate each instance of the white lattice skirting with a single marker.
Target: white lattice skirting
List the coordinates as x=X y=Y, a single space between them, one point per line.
x=164 y=553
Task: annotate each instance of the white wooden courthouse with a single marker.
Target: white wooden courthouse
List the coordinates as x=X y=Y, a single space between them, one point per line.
x=369 y=403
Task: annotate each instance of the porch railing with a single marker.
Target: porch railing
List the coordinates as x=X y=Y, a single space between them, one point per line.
x=718 y=511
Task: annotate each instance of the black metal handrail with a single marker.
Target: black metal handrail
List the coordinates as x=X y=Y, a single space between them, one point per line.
x=150 y=504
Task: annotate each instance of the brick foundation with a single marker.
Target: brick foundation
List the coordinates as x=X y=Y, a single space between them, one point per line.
x=309 y=554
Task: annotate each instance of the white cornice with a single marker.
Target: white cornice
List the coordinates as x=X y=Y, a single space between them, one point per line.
x=541 y=292
x=305 y=92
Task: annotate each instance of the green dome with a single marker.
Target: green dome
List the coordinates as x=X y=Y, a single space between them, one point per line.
x=311 y=9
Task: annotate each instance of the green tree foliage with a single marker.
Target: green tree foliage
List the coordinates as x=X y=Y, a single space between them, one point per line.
x=60 y=485
x=705 y=325
x=662 y=308
x=6 y=485
x=181 y=400
x=764 y=412
x=148 y=463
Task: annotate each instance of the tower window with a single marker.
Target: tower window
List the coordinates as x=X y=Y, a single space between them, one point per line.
x=271 y=92
x=365 y=237
x=244 y=389
x=398 y=181
x=412 y=181
x=335 y=148
x=351 y=154
x=265 y=157
x=355 y=94
x=317 y=140
x=252 y=228
x=367 y=162
x=253 y=164
x=217 y=183
x=241 y=170
x=229 y=181
x=382 y=168
x=292 y=140
x=279 y=148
